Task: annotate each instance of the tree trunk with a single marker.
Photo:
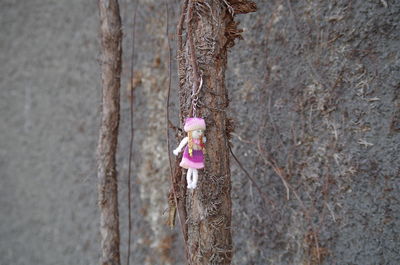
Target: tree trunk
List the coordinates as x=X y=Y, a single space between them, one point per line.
x=111 y=36
x=210 y=30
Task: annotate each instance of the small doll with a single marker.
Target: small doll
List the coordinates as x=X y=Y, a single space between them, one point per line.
x=193 y=155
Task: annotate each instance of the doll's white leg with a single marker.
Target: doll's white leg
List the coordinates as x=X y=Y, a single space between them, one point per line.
x=189 y=177
x=195 y=178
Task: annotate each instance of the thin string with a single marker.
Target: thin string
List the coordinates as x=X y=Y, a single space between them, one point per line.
x=197 y=79
x=167 y=129
x=131 y=139
x=195 y=97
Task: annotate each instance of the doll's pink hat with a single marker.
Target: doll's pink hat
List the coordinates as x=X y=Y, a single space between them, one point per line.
x=192 y=124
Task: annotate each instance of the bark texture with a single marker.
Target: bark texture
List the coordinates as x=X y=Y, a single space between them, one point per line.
x=210 y=30
x=111 y=37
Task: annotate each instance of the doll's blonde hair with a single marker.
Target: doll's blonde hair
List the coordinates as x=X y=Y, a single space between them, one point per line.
x=190 y=143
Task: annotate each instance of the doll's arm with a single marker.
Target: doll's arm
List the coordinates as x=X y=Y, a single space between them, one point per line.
x=204 y=139
x=181 y=145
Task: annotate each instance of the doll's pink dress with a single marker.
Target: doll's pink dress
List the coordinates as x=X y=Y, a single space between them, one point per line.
x=196 y=160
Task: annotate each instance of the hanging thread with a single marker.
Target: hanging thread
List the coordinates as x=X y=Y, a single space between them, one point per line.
x=195 y=96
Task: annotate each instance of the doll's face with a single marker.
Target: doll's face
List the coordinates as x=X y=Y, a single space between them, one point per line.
x=197 y=134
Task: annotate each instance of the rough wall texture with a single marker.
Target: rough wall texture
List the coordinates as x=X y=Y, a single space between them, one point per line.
x=321 y=111
x=315 y=94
